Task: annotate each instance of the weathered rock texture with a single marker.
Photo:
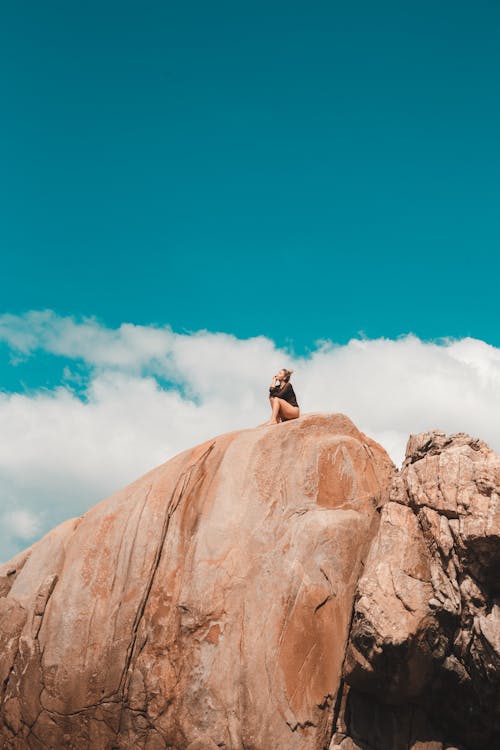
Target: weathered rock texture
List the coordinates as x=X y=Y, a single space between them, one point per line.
x=207 y=605
x=280 y=588
x=423 y=663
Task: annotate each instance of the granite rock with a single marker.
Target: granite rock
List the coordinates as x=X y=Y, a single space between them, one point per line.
x=425 y=635
x=205 y=605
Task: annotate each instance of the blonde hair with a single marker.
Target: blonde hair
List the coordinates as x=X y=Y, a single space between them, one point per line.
x=287 y=374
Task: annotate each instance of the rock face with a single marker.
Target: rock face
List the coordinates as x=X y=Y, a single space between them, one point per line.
x=207 y=605
x=422 y=668
x=280 y=588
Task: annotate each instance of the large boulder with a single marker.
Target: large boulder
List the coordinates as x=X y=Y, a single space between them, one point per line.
x=422 y=668
x=206 y=605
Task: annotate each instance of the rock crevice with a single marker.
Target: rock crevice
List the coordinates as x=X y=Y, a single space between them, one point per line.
x=207 y=606
x=431 y=658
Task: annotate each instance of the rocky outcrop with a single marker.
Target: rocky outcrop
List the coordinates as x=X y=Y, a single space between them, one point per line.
x=207 y=605
x=422 y=667
x=277 y=588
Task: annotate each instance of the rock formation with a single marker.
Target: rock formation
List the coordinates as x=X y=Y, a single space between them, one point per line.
x=276 y=588
x=422 y=667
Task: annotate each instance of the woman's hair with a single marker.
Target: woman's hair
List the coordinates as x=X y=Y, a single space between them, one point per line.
x=287 y=374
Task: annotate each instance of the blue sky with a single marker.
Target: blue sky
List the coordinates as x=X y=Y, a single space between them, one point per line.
x=296 y=170
x=215 y=189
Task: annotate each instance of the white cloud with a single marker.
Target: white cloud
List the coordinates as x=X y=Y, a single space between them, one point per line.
x=23 y=524
x=61 y=454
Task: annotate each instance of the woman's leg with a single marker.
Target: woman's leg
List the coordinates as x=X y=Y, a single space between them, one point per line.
x=282 y=409
x=287 y=411
x=273 y=420
x=275 y=406
x=271 y=399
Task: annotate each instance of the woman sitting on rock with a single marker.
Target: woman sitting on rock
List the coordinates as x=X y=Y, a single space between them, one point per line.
x=284 y=404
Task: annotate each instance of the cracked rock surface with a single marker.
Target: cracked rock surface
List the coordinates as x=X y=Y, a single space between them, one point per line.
x=279 y=588
x=422 y=668
x=206 y=605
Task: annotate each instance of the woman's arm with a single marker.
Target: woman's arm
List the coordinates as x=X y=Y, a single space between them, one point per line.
x=280 y=390
x=273 y=389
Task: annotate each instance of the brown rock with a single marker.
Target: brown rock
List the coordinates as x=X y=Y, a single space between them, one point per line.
x=206 y=605
x=426 y=626
x=270 y=589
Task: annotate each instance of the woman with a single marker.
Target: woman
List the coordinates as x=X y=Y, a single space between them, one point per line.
x=284 y=404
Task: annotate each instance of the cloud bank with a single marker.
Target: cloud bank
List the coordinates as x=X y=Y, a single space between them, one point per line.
x=131 y=398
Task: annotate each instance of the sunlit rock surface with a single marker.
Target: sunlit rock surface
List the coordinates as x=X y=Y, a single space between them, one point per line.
x=206 y=605
x=276 y=588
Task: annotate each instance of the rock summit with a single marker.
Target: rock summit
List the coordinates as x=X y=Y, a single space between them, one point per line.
x=275 y=588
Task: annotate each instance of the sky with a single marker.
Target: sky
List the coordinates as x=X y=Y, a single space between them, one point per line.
x=193 y=195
